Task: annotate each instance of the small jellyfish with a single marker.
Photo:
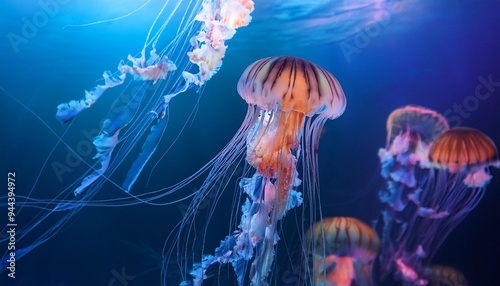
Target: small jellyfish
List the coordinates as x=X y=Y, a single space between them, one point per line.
x=456 y=179
x=421 y=122
x=343 y=250
x=465 y=151
x=459 y=162
x=410 y=132
x=443 y=275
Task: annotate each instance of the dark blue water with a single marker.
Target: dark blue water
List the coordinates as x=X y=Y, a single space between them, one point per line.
x=430 y=53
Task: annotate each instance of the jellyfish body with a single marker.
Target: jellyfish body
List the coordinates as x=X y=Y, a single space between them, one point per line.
x=410 y=132
x=146 y=84
x=286 y=90
x=428 y=195
x=289 y=101
x=459 y=160
x=438 y=275
x=218 y=22
x=343 y=250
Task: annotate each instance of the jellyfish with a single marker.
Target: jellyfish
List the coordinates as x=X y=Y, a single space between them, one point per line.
x=437 y=275
x=450 y=182
x=289 y=100
x=458 y=162
x=458 y=165
x=343 y=250
x=410 y=132
x=217 y=22
x=147 y=82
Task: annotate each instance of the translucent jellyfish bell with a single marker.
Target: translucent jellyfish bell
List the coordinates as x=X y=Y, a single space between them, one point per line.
x=427 y=123
x=294 y=84
x=343 y=250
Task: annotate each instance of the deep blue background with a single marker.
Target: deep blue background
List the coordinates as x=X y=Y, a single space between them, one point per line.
x=430 y=54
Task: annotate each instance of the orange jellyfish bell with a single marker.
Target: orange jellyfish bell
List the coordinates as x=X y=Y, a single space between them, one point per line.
x=463 y=149
x=294 y=84
x=343 y=250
